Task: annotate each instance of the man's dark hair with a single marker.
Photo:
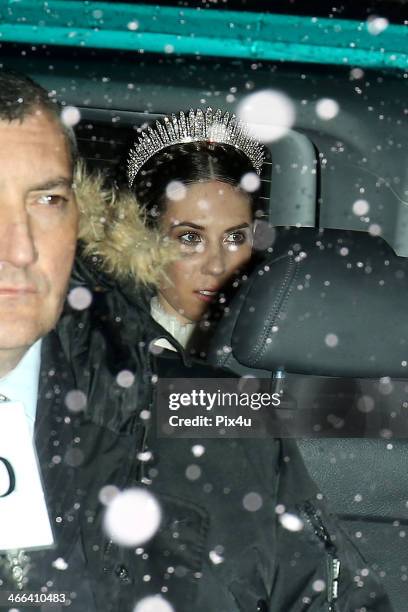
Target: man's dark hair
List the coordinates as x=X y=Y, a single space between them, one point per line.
x=20 y=97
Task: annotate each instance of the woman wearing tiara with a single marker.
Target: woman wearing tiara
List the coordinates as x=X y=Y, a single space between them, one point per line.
x=249 y=532
x=196 y=178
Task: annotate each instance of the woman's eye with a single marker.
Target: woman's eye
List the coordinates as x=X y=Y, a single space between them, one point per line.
x=190 y=238
x=236 y=238
x=52 y=200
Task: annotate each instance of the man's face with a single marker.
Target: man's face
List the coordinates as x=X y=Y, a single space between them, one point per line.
x=38 y=228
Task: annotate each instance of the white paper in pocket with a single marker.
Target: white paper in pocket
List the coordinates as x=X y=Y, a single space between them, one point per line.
x=24 y=521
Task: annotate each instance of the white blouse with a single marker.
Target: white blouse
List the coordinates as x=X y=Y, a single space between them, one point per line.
x=181 y=332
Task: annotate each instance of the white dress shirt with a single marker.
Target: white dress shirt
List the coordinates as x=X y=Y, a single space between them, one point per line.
x=21 y=384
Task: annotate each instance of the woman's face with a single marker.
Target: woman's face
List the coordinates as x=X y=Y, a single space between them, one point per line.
x=212 y=223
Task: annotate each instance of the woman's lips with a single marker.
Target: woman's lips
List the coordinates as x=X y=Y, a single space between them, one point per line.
x=206 y=295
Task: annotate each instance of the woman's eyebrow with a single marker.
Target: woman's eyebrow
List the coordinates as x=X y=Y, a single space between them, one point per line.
x=237 y=227
x=187 y=224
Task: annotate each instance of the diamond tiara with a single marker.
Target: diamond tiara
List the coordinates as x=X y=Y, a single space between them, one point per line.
x=196 y=126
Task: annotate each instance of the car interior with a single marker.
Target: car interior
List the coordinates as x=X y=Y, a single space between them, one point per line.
x=323 y=315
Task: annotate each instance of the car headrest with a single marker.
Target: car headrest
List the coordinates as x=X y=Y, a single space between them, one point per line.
x=323 y=302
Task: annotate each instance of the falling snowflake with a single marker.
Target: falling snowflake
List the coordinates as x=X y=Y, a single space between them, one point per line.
x=269 y=114
x=252 y=502
x=327 y=109
x=153 y=603
x=70 y=116
x=60 y=564
x=193 y=472
x=250 y=182
x=79 y=298
x=319 y=586
x=376 y=25
x=374 y=229
x=132 y=517
x=216 y=555
x=198 y=450
x=107 y=493
x=176 y=191
x=361 y=208
x=125 y=378
x=291 y=522
x=331 y=340
x=75 y=400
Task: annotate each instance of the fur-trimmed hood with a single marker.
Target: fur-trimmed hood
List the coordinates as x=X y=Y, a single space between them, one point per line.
x=112 y=229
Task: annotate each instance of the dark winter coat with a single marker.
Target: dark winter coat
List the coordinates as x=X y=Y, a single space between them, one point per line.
x=264 y=566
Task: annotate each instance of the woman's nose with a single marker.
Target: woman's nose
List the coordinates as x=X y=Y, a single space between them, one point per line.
x=214 y=262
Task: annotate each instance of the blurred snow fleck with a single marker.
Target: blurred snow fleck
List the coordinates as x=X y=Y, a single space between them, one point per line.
x=60 y=564
x=356 y=73
x=198 y=450
x=327 y=109
x=125 y=378
x=291 y=522
x=374 y=229
x=250 y=182
x=280 y=509
x=107 y=493
x=344 y=251
x=74 y=457
x=79 y=298
x=75 y=400
x=216 y=557
x=264 y=235
x=193 y=472
x=169 y=48
x=154 y=348
x=318 y=586
x=361 y=207
x=133 y=25
x=145 y=415
x=153 y=603
x=365 y=404
x=331 y=340
x=252 y=502
x=385 y=386
x=145 y=456
x=132 y=517
x=97 y=14
x=269 y=114
x=358 y=497
x=70 y=116
x=376 y=25
x=176 y=191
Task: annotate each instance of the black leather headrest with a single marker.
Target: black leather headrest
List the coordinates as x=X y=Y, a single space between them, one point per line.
x=324 y=302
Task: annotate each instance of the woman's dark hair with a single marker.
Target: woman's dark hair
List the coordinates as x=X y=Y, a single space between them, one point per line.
x=188 y=163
